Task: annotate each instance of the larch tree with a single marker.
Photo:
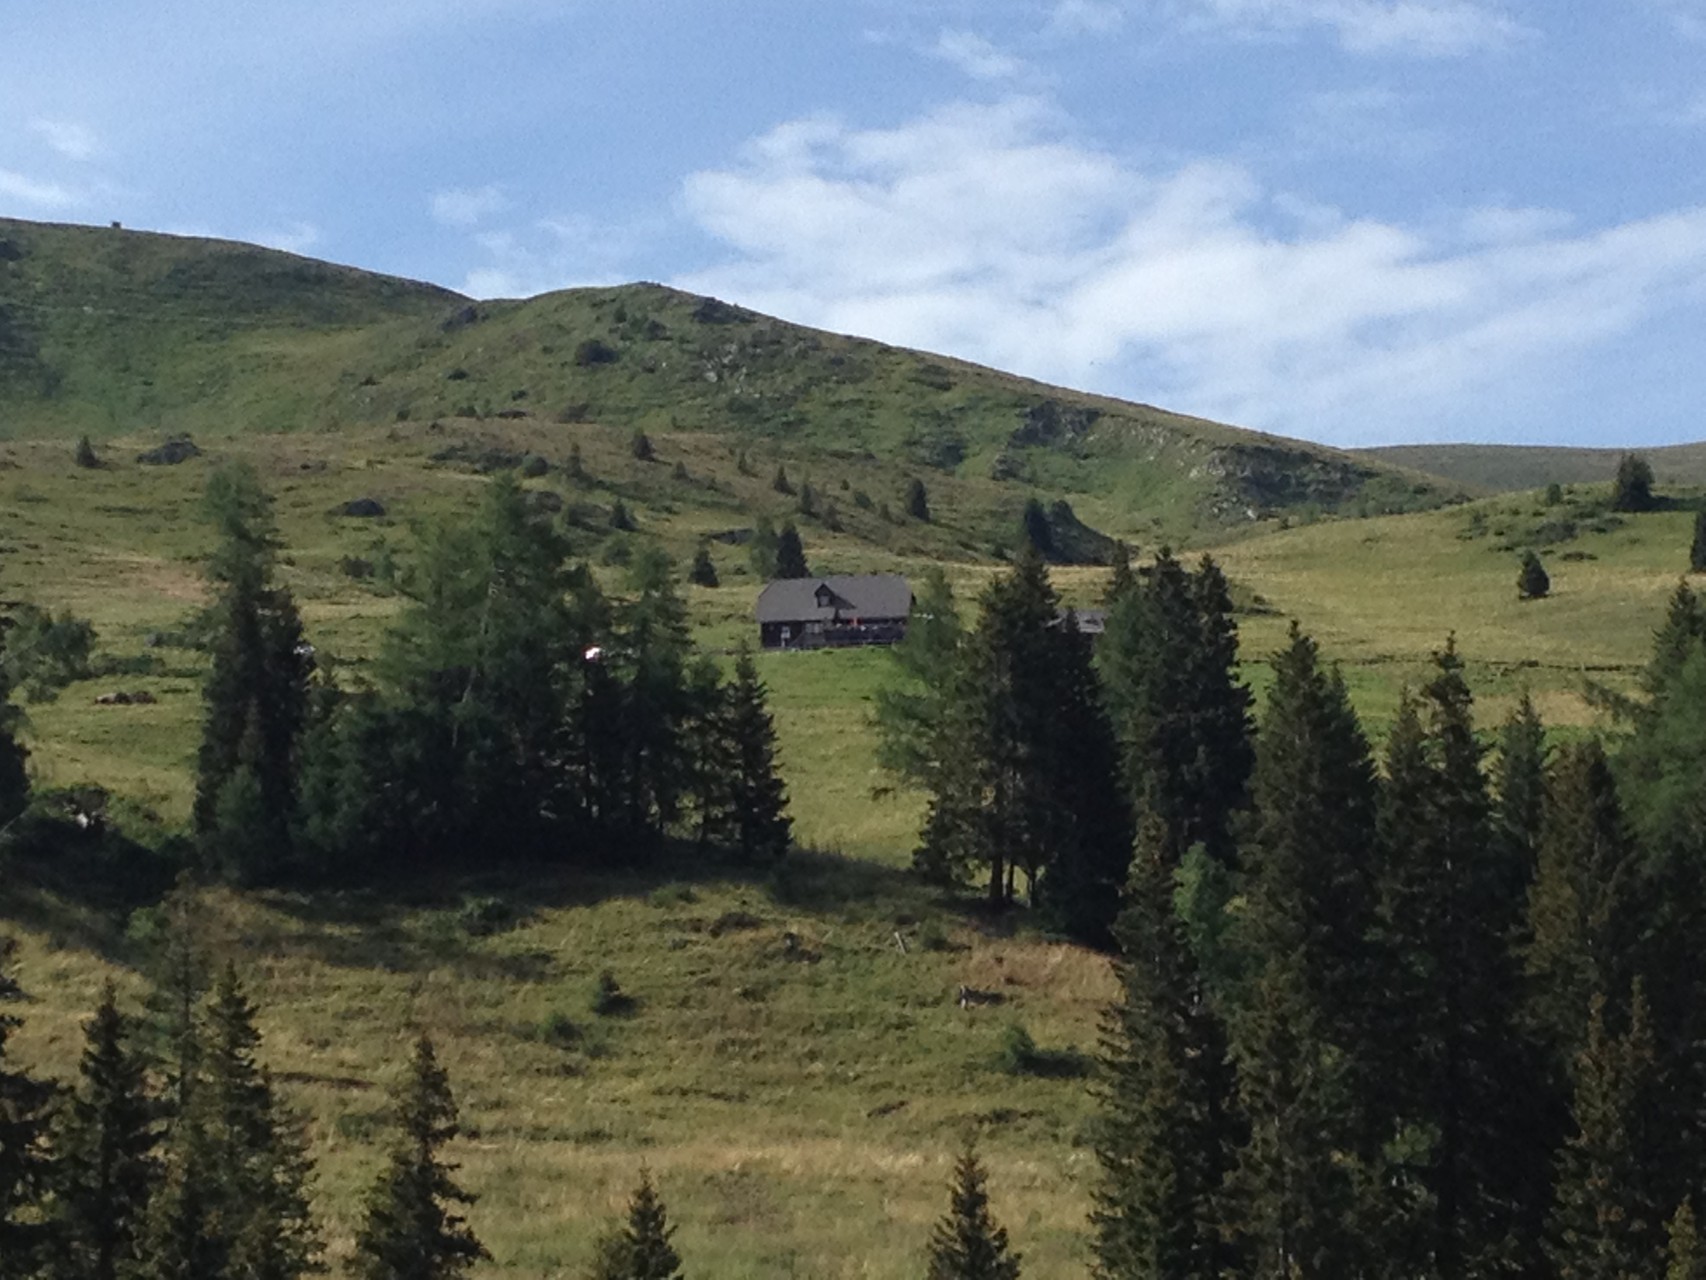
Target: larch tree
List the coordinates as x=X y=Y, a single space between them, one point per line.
x=412 y=1226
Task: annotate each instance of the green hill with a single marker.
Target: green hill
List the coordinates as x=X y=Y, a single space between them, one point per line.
x=111 y=332
x=1501 y=468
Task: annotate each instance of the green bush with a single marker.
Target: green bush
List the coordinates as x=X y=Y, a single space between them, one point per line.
x=608 y=998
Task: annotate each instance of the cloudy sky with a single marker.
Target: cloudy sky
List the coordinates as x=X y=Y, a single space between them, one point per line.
x=1357 y=221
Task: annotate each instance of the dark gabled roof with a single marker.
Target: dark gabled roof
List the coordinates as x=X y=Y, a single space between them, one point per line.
x=869 y=595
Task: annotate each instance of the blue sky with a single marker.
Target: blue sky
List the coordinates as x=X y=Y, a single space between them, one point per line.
x=1356 y=221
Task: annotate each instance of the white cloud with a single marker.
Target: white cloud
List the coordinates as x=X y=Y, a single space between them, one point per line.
x=299 y=237
x=986 y=232
x=464 y=207
x=976 y=56
x=1086 y=17
x=72 y=140
x=34 y=191
x=1425 y=27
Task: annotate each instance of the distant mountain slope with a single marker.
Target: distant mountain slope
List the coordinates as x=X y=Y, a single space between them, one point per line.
x=1506 y=468
x=107 y=331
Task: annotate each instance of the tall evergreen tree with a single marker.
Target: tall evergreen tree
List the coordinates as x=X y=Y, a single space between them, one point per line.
x=1453 y=1064
x=106 y=1167
x=1532 y=580
x=1589 y=909
x=1632 y=490
x=256 y=693
x=1027 y=777
x=255 y=1151
x=1697 y=546
x=640 y=1248
x=1168 y=659
x=25 y=1168
x=912 y=706
x=967 y=1243
x=1604 y=1224
x=1683 y=630
x=917 y=500
x=1685 y=1258
x=1165 y=1140
x=411 y=1228
x=14 y=776
x=1302 y=1028
x=791 y=554
x=179 y=977
x=1519 y=791
x=755 y=800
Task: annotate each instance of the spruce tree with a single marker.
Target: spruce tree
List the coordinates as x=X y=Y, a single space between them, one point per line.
x=25 y=1165
x=1519 y=790
x=14 y=775
x=917 y=500
x=911 y=706
x=762 y=550
x=704 y=570
x=179 y=976
x=640 y=1248
x=1588 y=911
x=756 y=818
x=411 y=1227
x=1452 y=1063
x=1685 y=1258
x=1165 y=1139
x=1697 y=547
x=255 y=1150
x=1632 y=490
x=1683 y=630
x=966 y=1243
x=1532 y=580
x=1302 y=1029
x=85 y=455
x=256 y=692
x=1168 y=659
x=780 y=481
x=791 y=554
x=106 y=1169
x=1604 y=1224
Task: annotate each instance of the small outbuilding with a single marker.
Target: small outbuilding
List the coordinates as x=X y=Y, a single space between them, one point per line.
x=838 y=611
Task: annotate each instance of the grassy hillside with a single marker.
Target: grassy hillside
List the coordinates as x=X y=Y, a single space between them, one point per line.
x=1500 y=468
x=112 y=332
x=798 y=1101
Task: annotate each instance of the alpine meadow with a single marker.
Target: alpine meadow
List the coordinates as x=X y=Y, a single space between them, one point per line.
x=422 y=855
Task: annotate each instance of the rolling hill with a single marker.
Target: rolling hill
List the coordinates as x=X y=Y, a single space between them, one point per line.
x=109 y=332
x=1504 y=468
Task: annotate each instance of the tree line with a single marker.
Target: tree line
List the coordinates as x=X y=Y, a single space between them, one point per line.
x=514 y=710
x=1428 y=1011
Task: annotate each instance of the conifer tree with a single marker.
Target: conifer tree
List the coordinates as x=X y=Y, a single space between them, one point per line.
x=1685 y=1258
x=411 y=1228
x=704 y=570
x=1532 y=580
x=106 y=1167
x=1588 y=910
x=780 y=481
x=255 y=1152
x=1683 y=630
x=1168 y=659
x=967 y=1243
x=1604 y=1224
x=25 y=1168
x=1302 y=1029
x=1165 y=1140
x=1519 y=790
x=1697 y=546
x=762 y=550
x=791 y=554
x=755 y=817
x=911 y=708
x=256 y=693
x=85 y=455
x=1453 y=1063
x=917 y=500
x=14 y=776
x=179 y=977
x=1632 y=490
x=640 y=1248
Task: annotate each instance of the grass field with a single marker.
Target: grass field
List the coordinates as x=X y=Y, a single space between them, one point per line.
x=799 y=1101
